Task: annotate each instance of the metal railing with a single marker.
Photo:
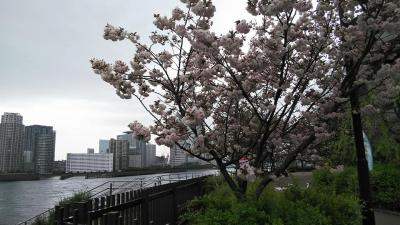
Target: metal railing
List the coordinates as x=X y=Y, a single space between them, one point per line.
x=119 y=186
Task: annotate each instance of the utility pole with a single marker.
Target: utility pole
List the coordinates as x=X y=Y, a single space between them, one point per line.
x=362 y=165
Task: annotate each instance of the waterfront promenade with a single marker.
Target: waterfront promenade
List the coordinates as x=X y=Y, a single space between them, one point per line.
x=20 y=200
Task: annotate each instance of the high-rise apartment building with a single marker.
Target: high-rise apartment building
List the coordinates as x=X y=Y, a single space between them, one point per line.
x=119 y=149
x=136 y=146
x=150 y=155
x=11 y=142
x=104 y=146
x=40 y=144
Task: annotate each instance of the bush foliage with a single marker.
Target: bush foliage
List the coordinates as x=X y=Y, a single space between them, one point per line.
x=330 y=199
x=294 y=206
x=48 y=219
x=384 y=181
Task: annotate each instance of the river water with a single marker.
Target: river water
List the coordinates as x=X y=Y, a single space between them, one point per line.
x=21 y=200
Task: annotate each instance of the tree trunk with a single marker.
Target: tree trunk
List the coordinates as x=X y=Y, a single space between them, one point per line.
x=362 y=165
x=235 y=188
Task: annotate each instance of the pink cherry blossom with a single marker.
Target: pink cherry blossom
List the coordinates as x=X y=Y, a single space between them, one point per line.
x=140 y=131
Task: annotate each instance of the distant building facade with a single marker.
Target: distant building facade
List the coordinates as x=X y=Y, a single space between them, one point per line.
x=104 y=146
x=81 y=162
x=179 y=157
x=11 y=143
x=135 y=161
x=160 y=161
x=119 y=149
x=150 y=155
x=136 y=147
x=59 y=166
x=39 y=148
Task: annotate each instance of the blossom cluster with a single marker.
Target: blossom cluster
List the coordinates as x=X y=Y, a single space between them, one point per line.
x=140 y=131
x=265 y=87
x=193 y=116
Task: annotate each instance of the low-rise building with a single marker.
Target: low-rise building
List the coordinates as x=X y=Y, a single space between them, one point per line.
x=178 y=157
x=81 y=162
x=59 y=166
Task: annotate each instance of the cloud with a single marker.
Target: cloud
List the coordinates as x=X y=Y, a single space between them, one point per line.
x=45 y=72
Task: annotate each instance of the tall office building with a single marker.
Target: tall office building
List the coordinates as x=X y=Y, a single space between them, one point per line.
x=11 y=142
x=40 y=143
x=150 y=154
x=104 y=146
x=119 y=149
x=136 y=147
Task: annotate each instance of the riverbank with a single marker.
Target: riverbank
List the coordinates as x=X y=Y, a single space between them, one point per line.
x=135 y=172
x=19 y=177
x=21 y=200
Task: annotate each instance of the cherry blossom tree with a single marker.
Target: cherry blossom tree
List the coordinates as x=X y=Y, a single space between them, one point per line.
x=264 y=92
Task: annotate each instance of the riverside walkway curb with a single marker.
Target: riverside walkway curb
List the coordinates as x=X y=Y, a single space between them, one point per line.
x=384 y=217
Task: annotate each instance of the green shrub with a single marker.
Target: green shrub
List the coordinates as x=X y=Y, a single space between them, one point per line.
x=49 y=219
x=385 y=187
x=384 y=181
x=80 y=196
x=335 y=182
x=294 y=206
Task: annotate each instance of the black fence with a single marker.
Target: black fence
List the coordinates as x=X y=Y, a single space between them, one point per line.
x=156 y=205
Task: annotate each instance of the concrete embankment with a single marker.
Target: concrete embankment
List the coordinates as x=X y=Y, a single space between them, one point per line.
x=19 y=177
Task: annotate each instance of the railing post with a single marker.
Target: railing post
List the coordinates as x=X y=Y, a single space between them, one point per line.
x=112 y=200
x=145 y=208
x=108 y=204
x=111 y=187
x=89 y=205
x=103 y=202
x=118 y=199
x=123 y=200
x=104 y=219
x=82 y=212
x=96 y=204
x=112 y=218
x=59 y=215
x=90 y=218
x=174 y=206
x=120 y=220
x=67 y=210
x=75 y=217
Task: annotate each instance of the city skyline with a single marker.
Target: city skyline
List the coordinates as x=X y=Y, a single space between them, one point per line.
x=45 y=71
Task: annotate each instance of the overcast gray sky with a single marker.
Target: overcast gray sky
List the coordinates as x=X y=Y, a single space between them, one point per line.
x=45 y=74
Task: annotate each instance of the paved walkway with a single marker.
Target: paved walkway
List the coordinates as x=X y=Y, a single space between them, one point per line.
x=385 y=218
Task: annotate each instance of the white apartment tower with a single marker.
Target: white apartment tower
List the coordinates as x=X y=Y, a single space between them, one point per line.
x=11 y=143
